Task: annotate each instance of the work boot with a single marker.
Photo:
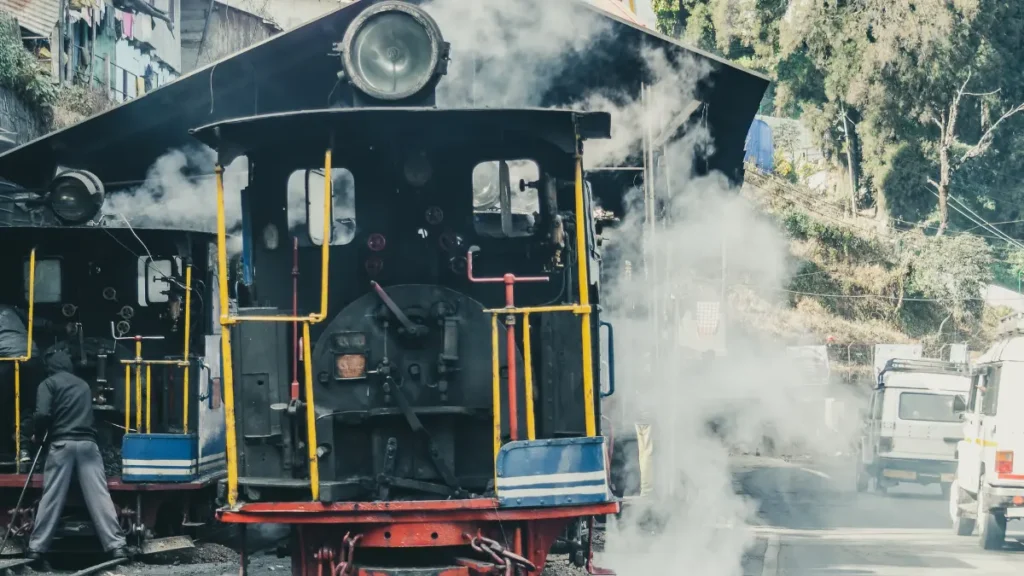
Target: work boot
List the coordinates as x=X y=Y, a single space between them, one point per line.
x=25 y=456
x=39 y=562
x=118 y=553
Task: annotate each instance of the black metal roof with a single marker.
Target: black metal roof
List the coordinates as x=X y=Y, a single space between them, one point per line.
x=291 y=71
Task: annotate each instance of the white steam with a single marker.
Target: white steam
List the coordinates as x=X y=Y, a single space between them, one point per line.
x=180 y=192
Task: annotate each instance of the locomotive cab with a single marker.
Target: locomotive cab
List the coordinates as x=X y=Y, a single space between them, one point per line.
x=401 y=364
x=412 y=378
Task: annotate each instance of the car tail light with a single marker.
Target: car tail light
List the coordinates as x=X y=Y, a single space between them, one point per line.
x=885 y=444
x=1004 y=462
x=350 y=366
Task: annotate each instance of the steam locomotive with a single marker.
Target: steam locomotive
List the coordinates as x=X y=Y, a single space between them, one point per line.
x=443 y=303
x=134 y=309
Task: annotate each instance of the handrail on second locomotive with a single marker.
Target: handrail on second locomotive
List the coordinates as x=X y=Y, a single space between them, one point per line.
x=17 y=360
x=226 y=321
x=139 y=361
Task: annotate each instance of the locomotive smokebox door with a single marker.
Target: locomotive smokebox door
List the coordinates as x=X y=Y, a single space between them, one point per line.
x=262 y=375
x=406 y=371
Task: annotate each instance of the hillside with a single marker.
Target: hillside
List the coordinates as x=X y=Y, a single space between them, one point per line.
x=858 y=281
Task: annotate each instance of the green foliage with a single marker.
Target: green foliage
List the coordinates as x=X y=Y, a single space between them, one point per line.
x=20 y=72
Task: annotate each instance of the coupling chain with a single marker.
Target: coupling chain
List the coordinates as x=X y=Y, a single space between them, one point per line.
x=502 y=556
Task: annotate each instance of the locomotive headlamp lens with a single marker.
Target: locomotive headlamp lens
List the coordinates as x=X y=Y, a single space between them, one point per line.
x=76 y=196
x=350 y=366
x=392 y=50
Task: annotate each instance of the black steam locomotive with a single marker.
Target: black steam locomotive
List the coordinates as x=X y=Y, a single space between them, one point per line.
x=442 y=300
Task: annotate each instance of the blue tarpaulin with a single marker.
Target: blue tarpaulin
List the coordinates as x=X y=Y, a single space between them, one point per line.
x=759 y=148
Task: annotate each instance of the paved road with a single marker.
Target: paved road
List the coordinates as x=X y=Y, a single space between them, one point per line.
x=812 y=522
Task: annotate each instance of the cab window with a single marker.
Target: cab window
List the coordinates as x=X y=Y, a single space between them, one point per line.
x=48 y=281
x=306 y=206
x=505 y=198
x=977 y=382
x=990 y=394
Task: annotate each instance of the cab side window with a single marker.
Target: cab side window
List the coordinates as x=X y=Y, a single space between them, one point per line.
x=976 y=384
x=876 y=408
x=990 y=394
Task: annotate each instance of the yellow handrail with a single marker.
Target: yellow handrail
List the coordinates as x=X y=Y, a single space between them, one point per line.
x=582 y=259
x=149 y=395
x=314 y=465
x=138 y=385
x=17 y=415
x=25 y=358
x=188 y=327
x=127 y=398
x=495 y=393
x=531 y=428
x=226 y=321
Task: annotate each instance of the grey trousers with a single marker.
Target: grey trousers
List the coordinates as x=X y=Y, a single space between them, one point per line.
x=62 y=460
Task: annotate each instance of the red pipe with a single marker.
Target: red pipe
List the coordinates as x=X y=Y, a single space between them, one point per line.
x=295 y=312
x=510 y=355
x=510 y=349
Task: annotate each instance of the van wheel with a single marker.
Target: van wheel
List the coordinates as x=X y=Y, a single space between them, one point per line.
x=962 y=526
x=991 y=526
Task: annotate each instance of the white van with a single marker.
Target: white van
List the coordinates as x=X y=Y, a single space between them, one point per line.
x=989 y=488
x=912 y=430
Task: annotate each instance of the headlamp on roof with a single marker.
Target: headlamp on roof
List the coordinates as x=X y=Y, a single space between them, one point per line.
x=393 y=50
x=76 y=196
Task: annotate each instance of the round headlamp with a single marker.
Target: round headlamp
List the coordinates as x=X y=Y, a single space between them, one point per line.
x=393 y=50
x=76 y=196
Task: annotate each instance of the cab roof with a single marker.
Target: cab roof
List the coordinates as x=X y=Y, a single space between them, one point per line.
x=291 y=72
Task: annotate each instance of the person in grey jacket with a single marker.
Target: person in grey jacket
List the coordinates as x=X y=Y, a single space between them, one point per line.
x=64 y=413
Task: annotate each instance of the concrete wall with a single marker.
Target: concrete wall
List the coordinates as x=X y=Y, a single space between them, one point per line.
x=17 y=122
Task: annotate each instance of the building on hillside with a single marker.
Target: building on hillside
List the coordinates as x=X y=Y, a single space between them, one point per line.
x=213 y=30
x=127 y=46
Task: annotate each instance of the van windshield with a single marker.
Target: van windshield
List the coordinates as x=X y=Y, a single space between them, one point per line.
x=927 y=407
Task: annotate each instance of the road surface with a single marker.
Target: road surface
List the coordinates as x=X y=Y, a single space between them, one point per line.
x=813 y=522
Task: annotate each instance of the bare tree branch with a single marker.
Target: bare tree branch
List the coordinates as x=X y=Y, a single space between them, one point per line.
x=985 y=141
x=996 y=91
x=933 y=183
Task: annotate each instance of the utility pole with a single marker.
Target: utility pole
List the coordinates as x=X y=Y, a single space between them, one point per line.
x=61 y=31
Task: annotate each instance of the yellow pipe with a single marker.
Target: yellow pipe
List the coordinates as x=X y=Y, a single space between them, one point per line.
x=31 y=301
x=582 y=259
x=531 y=429
x=314 y=465
x=574 y=308
x=188 y=326
x=127 y=398
x=149 y=406
x=496 y=395
x=138 y=386
x=325 y=246
x=17 y=415
x=225 y=342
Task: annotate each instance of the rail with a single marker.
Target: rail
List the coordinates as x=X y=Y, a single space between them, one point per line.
x=17 y=360
x=226 y=321
x=139 y=362
x=510 y=311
